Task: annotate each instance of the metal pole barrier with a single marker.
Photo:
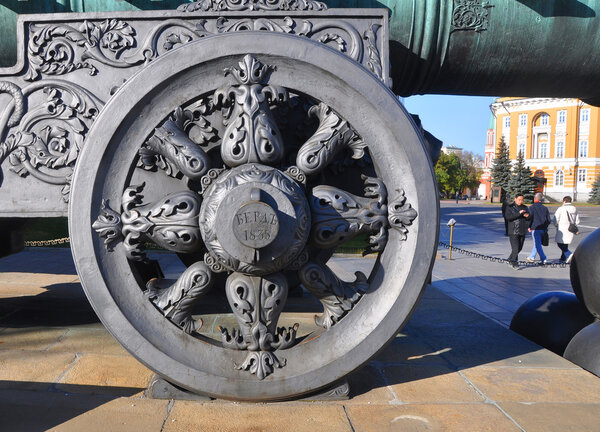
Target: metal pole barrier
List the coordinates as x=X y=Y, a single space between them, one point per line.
x=451 y=224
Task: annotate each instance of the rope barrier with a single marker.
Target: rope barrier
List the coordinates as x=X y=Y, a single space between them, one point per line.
x=500 y=260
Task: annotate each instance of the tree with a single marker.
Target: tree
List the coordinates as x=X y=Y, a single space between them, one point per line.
x=471 y=165
x=521 y=181
x=595 y=194
x=501 y=168
x=449 y=174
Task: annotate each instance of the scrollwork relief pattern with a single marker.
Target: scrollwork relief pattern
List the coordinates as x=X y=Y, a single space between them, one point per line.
x=251 y=134
x=176 y=301
x=471 y=15
x=171 y=223
x=252 y=5
x=257 y=303
x=45 y=141
x=332 y=136
x=336 y=296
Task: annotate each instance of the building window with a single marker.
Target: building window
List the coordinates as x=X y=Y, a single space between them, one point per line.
x=584 y=116
x=544 y=120
x=521 y=149
x=583 y=149
x=560 y=149
x=544 y=149
x=581 y=175
x=559 y=178
x=523 y=120
x=507 y=122
x=562 y=117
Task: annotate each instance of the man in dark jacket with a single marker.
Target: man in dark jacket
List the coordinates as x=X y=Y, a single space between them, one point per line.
x=518 y=217
x=538 y=226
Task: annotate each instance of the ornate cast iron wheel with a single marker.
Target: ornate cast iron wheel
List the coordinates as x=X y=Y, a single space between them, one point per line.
x=242 y=154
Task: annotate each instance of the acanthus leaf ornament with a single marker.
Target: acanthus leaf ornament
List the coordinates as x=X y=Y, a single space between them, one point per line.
x=171 y=223
x=177 y=151
x=47 y=139
x=108 y=226
x=336 y=296
x=401 y=214
x=176 y=301
x=332 y=136
x=251 y=134
x=257 y=303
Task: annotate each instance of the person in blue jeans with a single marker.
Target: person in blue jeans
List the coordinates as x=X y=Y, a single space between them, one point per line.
x=538 y=226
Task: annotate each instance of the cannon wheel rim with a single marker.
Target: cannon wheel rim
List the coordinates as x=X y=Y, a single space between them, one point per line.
x=402 y=270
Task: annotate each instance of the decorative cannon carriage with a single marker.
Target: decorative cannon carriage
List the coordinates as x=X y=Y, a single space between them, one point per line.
x=251 y=138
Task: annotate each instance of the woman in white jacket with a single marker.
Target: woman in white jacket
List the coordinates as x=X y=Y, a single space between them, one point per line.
x=564 y=216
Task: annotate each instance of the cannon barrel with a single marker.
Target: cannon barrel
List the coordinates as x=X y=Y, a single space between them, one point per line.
x=470 y=47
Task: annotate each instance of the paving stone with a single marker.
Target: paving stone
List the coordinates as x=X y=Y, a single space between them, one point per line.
x=106 y=374
x=30 y=338
x=409 y=349
x=549 y=417
x=368 y=386
x=40 y=279
x=52 y=411
x=427 y=384
x=429 y=417
x=507 y=384
x=32 y=369
x=88 y=341
x=9 y=290
x=233 y=417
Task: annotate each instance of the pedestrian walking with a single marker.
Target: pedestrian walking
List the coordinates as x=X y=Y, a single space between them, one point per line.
x=505 y=203
x=517 y=216
x=456 y=196
x=538 y=227
x=564 y=216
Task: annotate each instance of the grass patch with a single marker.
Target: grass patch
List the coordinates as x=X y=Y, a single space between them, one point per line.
x=47 y=229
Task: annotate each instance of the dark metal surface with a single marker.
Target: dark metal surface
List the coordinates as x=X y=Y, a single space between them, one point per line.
x=585 y=272
x=551 y=319
x=476 y=47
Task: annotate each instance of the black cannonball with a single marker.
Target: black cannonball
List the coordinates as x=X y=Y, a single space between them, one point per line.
x=584 y=349
x=585 y=272
x=551 y=319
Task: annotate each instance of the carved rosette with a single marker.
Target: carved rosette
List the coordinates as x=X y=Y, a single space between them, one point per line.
x=219 y=211
x=257 y=303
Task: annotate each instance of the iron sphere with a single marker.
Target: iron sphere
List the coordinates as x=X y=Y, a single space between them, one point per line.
x=585 y=273
x=551 y=319
x=584 y=349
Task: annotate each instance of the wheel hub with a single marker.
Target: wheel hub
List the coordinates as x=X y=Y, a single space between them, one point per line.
x=254 y=219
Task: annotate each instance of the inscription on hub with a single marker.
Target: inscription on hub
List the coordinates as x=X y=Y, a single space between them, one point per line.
x=255 y=225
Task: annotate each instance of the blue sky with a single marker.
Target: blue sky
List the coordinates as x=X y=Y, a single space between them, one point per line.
x=460 y=121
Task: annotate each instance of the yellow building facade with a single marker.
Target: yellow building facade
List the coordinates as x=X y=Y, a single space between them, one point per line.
x=559 y=137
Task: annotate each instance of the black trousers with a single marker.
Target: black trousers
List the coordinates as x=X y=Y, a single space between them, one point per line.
x=516 y=244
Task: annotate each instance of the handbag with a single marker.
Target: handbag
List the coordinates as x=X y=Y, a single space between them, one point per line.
x=545 y=239
x=572 y=227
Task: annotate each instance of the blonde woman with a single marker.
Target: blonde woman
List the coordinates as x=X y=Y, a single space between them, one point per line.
x=565 y=215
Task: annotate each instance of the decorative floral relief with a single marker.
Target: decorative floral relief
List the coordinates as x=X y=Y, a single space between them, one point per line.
x=257 y=303
x=46 y=140
x=374 y=62
x=177 y=301
x=171 y=149
x=338 y=215
x=59 y=49
x=251 y=133
x=333 y=135
x=401 y=214
x=252 y=5
x=471 y=15
x=337 y=297
x=171 y=223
